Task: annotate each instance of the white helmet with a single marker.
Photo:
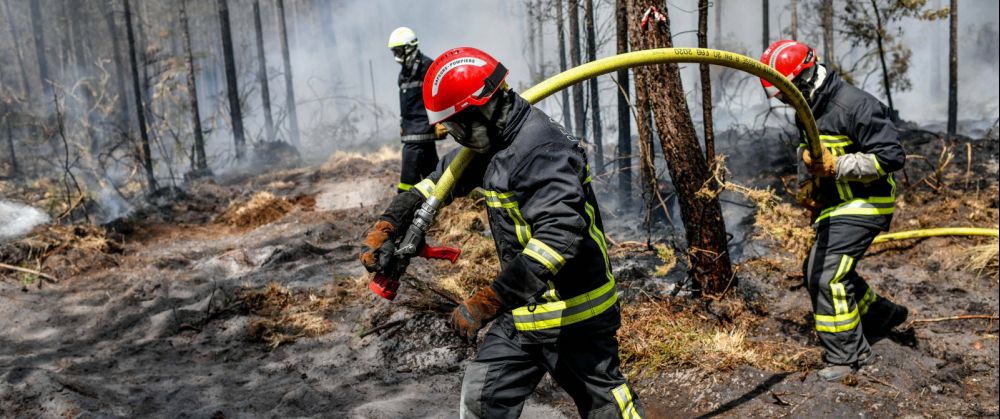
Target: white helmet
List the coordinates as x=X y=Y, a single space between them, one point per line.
x=403 y=43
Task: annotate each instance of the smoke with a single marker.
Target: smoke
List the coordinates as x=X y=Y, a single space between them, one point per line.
x=17 y=219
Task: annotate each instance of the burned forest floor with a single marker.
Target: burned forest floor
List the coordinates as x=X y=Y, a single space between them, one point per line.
x=243 y=297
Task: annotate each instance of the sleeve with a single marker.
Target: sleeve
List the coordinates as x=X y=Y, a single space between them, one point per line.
x=881 y=151
x=554 y=207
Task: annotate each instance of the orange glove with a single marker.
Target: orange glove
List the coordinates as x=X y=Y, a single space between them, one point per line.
x=826 y=166
x=475 y=312
x=380 y=233
x=440 y=131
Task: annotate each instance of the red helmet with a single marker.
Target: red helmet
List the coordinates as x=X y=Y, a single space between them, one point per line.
x=790 y=58
x=459 y=78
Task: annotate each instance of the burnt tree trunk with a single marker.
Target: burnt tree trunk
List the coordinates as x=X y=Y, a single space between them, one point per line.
x=265 y=92
x=624 y=157
x=232 y=87
x=595 y=99
x=580 y=118
x=710 y=268
x=532 y=52
x=15 y=170
x=953 y=70
x=561 y=39
x=293 y=118
x=879 y=30
x=199 y=163
x=793 y=25
x=145 y=154
x=43 y=64
x=19 y=54
x=765 y=24
x=706 y=85
x=826 y=22
x=116 y=58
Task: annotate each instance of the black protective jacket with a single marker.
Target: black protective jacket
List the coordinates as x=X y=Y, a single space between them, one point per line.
x=555 y=275
x=413 y=116
x=852 y=121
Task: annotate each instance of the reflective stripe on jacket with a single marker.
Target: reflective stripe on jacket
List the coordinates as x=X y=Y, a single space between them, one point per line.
x=853 y=121
x=547 y=227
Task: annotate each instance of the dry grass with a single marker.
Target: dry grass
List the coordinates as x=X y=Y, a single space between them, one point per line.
x=656 y=335
x=262 y=208
x=462 y=225
x=984 y=259
x=787 y=227
x=283 y=316
x=351 y=164
x=667 y=256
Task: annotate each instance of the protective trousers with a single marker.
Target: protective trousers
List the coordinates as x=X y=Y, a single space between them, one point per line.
x=843 y=303
x=419 y=160
x=506 y=371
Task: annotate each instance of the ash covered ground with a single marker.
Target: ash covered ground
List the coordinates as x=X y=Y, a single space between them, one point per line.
x=242 y=297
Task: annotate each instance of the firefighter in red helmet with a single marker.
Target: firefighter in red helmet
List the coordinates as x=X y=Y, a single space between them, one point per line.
x=851 y=193
x=554 y=303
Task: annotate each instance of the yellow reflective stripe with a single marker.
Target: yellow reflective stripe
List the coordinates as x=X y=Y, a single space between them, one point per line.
x=567 y=303
x=425 y=187
x=878 y=167
x=876 y=205
x=837 y=289
x=404 y=186
x=546 y=255
x=566 y=320
x=625 y=404
x=588 y=179
x=551 y=295
x=866 y=301
x=598 y=236
x=838 y=323
x=503 y=200
x=835 y=140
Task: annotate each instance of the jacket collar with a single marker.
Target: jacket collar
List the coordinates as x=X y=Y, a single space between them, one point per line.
x=821 y=98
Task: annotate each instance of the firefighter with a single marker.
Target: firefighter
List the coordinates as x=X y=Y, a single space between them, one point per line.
x=419 y=152
x=554 y=301
x=851 y=194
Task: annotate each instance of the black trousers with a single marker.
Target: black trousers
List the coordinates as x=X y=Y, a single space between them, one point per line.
x=506 y=371
x=843 y=303
x=419 y=160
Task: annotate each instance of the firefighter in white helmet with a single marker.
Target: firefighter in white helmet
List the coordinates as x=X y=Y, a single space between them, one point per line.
x=419 y=153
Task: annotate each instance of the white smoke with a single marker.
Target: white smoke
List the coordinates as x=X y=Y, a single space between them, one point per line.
x=17 y=219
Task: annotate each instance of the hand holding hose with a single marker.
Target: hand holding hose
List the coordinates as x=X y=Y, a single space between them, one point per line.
x=825 y=166
x=475 y=312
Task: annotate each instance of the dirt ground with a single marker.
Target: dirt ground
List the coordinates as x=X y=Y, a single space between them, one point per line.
x=243 y=298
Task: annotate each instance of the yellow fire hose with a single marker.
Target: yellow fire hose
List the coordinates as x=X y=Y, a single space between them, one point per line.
x=934 y=232
x=647 y=57
x=683 y=55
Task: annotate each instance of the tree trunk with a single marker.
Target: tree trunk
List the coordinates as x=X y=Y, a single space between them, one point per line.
x=146 y=155
x=826 y=22
x=624 y=118
x=717 y=5
x=953 y=70
x=595 y=100
x=540 y=38
x=793 y=27
x=200 y=162
x=15 y=171
x=43 y=66
x=561 y=37
x=265 y=92
x=19 y=54
x=766 y=24
x=706 y=85
x=710 y=267
x=879 y=30
x=293 y=118
x=532 y=50
x=232 y=87
x=580 y=118
x=116 y=55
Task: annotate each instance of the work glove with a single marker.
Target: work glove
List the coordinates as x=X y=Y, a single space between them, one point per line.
x=825 y=166
x=806 y=197
x=440 y=131
x=380 y=243
x=475 y=312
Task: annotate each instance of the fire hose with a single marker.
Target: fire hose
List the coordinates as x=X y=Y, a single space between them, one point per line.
x=935 y=232
x=412 y=243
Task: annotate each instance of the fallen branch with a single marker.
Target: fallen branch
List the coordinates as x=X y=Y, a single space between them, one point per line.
x=40 y=274
x=381 y=327
x=960 y=317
